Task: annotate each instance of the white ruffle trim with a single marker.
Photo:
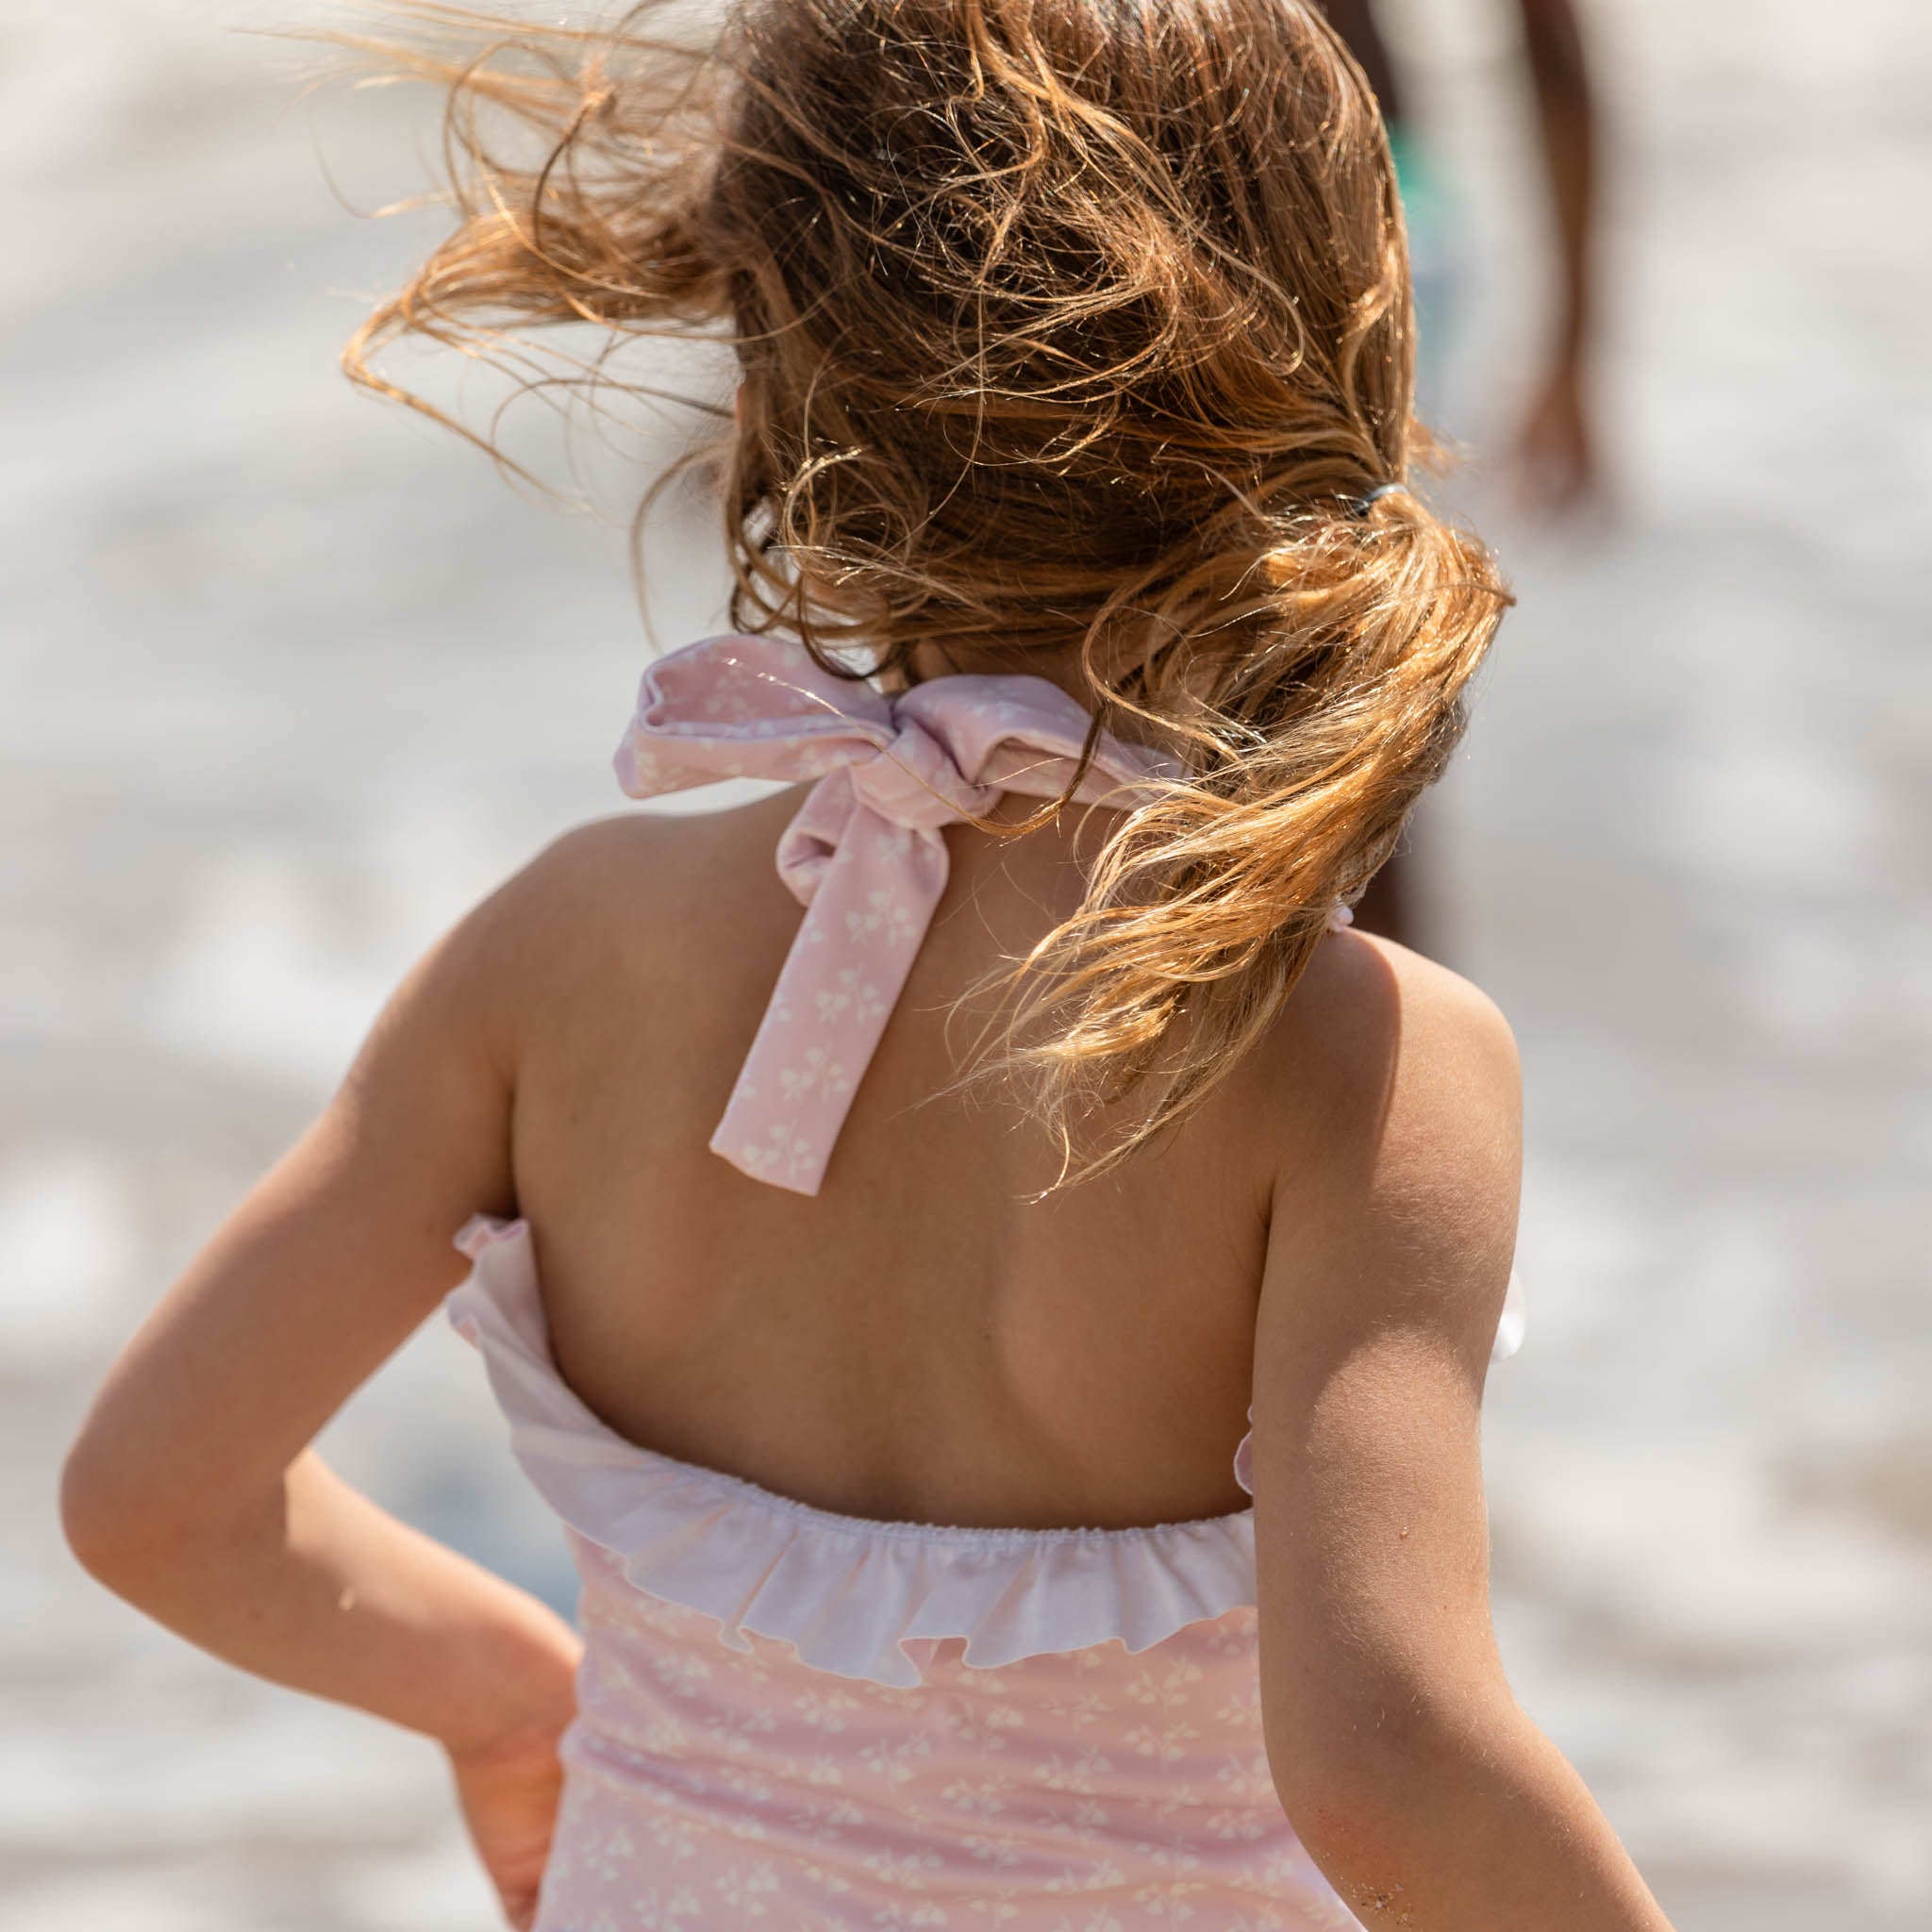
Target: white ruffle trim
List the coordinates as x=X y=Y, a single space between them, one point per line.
x=849 y=1594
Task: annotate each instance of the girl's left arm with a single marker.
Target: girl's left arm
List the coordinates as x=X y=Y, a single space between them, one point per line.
x=191 y=1489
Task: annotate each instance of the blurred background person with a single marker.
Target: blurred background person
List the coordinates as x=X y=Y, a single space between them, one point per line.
x=1552 y=461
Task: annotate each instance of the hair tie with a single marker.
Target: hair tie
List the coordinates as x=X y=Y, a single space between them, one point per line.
x=1377 y=493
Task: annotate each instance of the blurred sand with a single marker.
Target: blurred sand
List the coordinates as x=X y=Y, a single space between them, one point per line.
x=292 y=678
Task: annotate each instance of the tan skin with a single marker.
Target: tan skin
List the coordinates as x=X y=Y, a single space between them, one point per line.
x=1331 y=1237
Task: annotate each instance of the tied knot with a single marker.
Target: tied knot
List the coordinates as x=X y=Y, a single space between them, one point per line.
x=914 y=782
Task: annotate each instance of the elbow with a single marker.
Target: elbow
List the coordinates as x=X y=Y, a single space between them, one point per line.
x=113 y=1519
x=1364 y=1797
x=95 y=1516
x=137 y=1519
x=1347 y=1825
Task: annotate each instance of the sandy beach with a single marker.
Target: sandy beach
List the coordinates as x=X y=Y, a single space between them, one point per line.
x=292 y=678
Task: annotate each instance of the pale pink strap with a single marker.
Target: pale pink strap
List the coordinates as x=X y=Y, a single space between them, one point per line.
x=863 y=855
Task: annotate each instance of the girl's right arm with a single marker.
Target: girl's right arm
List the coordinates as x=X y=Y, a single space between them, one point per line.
x=1418 y=1786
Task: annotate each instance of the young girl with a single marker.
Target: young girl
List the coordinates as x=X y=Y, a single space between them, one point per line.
x=882 y=1253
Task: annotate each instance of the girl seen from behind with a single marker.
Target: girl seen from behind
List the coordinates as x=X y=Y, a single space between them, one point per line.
x=999 y=1297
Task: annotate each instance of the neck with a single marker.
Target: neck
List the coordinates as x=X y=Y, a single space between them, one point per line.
x=1058 y=667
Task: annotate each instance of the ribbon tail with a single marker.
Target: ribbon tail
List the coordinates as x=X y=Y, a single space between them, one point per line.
x=855 y=947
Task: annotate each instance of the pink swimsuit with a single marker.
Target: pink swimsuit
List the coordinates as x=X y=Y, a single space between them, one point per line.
x=793 y=1719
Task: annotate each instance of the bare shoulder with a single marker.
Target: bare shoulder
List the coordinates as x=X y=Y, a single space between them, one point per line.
x=651 y=863
x=1400 y=1155
x=1360 y=975
x=1377 y=1034
x=640 y=892
x=1452 y=1075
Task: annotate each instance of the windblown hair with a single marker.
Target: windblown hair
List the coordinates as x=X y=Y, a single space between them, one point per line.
x=1069 y=326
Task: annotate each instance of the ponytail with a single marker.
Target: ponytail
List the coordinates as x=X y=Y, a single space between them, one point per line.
x=1305 y=755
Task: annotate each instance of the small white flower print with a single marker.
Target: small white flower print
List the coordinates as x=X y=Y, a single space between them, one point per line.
x=783 y=1151
x=759 y=1722
x=1168 y=1688
x=1230 y=1827
x=908 y=1871
x=1168 y=1745
x=747 y=1889
x=653 y=1911
x=910 y=1915
x=673 y=1834
x=664 y=1736
x=1247 y=1776
x=742 y=1783
x=817 y=1071
x=999 y=1853
x=869 y=922
x=603 y=1853
x=1101 y=1874
x=893 y=1762
x=798 y=1081
x=1081 y=1773
x=1088 y=1707
x=824 y=1710
x=1167 y=1905
x=680 y=1672
x=980 y=1725
x=1242 y=1706
x=979 y=1797
x=827 y=1823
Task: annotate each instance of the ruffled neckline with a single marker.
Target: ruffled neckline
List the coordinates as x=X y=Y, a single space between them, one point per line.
x=852 y=1596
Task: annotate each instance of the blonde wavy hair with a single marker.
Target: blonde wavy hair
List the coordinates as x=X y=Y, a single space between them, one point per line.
x=1079 y=327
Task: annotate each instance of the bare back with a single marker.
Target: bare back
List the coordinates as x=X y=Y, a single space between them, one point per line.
x=925 y=1339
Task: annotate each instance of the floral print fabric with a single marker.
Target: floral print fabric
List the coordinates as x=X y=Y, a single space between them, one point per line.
x=1087 y=1790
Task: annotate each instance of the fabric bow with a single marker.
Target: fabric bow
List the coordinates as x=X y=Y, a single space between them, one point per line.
x=863 y=855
